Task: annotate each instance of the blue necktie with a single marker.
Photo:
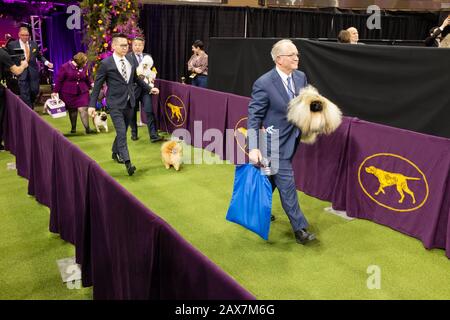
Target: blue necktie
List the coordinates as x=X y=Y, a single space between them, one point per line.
x=290 y=91
x=139 y=58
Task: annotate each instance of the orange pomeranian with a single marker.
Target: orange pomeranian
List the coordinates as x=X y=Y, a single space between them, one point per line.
x=172 y=154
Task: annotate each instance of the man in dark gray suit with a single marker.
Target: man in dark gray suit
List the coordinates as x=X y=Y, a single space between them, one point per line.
x=268 y=111
x=119 y=74
x=29 y=79
x=143 y=97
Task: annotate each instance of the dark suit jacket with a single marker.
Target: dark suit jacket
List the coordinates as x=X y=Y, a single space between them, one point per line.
x=32 y=69
x=118 y=90
x=268 y=108
x=132 y=57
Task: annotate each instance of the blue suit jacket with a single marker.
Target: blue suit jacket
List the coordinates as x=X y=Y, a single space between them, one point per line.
x=268 y=109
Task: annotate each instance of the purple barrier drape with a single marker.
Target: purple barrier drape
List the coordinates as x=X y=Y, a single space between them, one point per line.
x=125 y=250
x=208 y=109
x=399 y=179
x=318 y=168
x=237 y=113
x=326 y=170
x=173 y=106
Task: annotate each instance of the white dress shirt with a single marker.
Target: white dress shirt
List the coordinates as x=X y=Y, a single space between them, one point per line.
x=22 y=46
x=284 y=77
x=119 y=65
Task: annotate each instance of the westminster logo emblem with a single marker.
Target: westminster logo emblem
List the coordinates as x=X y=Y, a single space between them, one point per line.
x=240 y=134
x=403 y=189
x=175 y=110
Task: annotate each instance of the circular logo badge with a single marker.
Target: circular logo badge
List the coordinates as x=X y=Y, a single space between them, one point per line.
x=175 y=111
x=393 y=182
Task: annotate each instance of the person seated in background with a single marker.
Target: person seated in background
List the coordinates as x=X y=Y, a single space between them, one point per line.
x=72 y=85
x=198 y=65
x=354 y=35
x=438 y=33
x=344 y=36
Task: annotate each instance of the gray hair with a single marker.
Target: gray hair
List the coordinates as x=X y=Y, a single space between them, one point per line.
x=277 y=48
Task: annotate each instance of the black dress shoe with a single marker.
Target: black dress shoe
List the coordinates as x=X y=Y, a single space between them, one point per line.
x=134 y=138
x=73 y=131
x=272 y=217
x=156 y=139
x=302 y=236
x=117 y=158
x=130 y=168
x=2 y=147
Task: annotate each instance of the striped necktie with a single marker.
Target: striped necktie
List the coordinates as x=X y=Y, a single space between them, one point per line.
x=290 y=91
x=124 y=70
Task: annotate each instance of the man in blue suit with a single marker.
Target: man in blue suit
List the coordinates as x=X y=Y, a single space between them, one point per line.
x=119 y=73
x=29 y=79
x=268 y=111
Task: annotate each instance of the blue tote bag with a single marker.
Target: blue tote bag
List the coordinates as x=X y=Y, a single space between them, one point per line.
x=251 y=202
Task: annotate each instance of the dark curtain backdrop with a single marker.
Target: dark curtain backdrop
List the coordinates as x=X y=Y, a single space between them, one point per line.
x=62 y=43
x=170 y=30
x=404 y=87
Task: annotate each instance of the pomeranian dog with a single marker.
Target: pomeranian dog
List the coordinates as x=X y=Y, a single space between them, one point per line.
x=99 y=119
x=313 y=114
x=172 y=154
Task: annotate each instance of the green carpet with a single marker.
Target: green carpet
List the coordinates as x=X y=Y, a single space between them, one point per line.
x=194 y=201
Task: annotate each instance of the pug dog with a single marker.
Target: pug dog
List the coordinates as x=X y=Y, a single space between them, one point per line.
x=99 y=119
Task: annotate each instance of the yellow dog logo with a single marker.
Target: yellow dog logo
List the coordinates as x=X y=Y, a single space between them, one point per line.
x=387 y=179
x=417 y=197
x=176 y=111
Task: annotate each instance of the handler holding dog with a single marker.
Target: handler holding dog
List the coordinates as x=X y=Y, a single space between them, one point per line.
x=268 y=111
x=119 y=73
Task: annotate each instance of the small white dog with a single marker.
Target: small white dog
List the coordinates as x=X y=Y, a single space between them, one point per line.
x=313 y=114
x=145 y=71
x=99 y=119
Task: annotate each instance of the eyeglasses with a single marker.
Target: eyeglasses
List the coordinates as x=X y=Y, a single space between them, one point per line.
x=292 y=55
x=123 y=45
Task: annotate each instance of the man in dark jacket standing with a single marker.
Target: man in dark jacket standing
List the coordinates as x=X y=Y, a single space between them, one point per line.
x=119 y=74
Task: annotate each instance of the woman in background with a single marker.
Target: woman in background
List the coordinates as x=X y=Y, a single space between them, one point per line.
x=72 y=85
x=198 y=65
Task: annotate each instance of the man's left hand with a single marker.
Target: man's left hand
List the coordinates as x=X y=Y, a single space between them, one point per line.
x=50 y=65
x=154 y=91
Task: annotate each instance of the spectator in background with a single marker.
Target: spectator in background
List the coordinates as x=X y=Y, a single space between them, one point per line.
x=72 y=85
x=143 y=97
x=29 y=79
x=198 y=65
x=438 y=33
x=354 y=35
x=344 y=36
x=7 y=64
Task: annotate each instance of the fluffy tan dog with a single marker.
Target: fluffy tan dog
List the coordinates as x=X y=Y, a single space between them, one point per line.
x=313 y=114
x=172 y=154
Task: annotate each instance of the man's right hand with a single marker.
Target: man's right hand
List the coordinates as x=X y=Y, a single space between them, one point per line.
x=255 y=156
x=445 y=23
x=24 y=64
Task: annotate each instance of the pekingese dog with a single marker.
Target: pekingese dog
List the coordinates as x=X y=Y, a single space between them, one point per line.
x=145 y=70
x=99 y=119
x=313 y=114
x=172 y=154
